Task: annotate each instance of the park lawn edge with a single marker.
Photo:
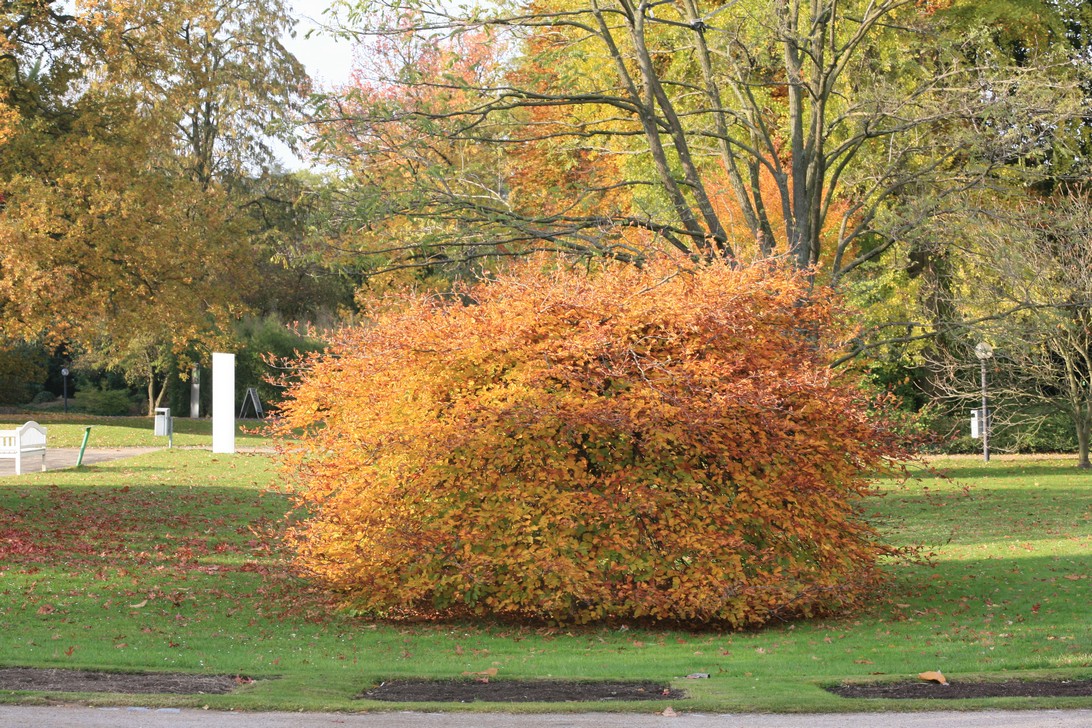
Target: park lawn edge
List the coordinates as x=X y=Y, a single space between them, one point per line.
x=313 y=690
x=250 y=698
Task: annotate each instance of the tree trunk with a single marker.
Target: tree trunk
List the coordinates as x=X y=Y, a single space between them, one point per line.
x=1082 y=443
x=154 y=399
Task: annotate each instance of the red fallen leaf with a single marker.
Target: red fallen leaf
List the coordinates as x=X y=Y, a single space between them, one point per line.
x=1034 y=608
x=934 y=676
x=481 y=680
x=46 y=609
x=70 y=650
x=240 y=680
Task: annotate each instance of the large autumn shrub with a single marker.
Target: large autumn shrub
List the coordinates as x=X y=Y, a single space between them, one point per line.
x=630 y=444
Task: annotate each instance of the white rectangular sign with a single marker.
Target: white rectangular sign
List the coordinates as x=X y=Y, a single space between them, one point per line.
x=223 y=403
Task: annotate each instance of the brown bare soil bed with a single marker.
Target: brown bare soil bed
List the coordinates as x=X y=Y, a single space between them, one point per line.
x=517 y=691
x=960 y=689
x=87 y=681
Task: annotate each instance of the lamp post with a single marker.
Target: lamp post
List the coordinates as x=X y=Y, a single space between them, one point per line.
x=984 y=352
x=64 y=376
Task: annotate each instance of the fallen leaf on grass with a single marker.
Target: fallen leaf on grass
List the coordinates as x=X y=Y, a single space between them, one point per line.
x=491 y=672
x=934 y=676
x=138 y=605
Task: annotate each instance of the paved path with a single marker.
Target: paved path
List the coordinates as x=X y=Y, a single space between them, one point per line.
x=82 y=717
x=66 y=457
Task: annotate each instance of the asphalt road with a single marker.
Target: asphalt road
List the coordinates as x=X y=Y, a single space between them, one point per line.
x=83 y=717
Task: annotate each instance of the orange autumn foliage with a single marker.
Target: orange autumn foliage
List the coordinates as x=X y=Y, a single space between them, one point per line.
x=653 y=444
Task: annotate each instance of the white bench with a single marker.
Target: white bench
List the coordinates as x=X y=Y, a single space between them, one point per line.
x=30 y=439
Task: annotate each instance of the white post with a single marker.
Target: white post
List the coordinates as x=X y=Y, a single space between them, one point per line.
x=223 y=403
x=195 y=393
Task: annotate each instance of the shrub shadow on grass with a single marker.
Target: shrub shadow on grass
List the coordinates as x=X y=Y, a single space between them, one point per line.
x=962 y=517
x=1008 y=470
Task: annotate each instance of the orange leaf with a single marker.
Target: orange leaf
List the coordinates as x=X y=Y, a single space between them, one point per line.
x=935 y=676
x=491 y=672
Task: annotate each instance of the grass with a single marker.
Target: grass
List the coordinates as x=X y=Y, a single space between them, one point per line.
x=168 y=562
x=67 y=431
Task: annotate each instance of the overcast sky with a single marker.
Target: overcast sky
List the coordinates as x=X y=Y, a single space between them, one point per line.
x=328 y=61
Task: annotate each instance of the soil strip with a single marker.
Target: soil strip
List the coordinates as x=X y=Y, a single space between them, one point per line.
x=956 y=690
x=86 y=681
x=517 y=691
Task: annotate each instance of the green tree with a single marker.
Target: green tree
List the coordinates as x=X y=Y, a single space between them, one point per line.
x=103 y=249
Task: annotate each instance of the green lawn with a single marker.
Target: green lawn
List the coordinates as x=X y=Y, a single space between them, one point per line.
x=67 y=431
x=169 y=562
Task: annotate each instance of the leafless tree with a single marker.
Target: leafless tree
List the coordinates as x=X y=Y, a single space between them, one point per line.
x=1034 y=264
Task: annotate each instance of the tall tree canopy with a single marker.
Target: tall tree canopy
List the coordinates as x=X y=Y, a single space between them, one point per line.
x=819 y=131
x=125 y=223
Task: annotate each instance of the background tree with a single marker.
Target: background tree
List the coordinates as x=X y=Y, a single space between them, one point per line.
x=1033 y=302
x=129 y=220
x=215 y=71
x=101 y=247
x=817 y=131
